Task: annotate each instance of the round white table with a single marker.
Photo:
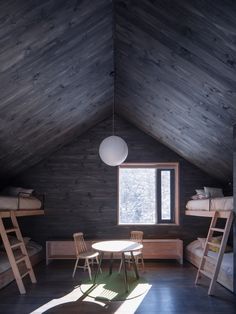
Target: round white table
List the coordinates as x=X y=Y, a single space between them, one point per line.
x=117 y=246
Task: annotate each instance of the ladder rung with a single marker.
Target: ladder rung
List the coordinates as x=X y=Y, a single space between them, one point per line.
x=218 y=229
x=26 y=273
x=214 y=244
x=205 y=273
x=11 y=230
x=210 y=259
x=21 y=258
x=16 y=244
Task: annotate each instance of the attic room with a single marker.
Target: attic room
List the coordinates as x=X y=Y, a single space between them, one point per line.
x=118 y=156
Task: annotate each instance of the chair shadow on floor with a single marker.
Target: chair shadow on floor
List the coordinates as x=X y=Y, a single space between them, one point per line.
x=112 y=287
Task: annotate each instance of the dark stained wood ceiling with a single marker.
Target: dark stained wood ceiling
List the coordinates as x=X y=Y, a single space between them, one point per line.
x=55 y=63
x=176 y=76
x=175 y=66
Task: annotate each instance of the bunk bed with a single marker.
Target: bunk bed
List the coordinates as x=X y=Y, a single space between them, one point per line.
x=194 y=253
x=20 y=256
x=210 y=265
x=35 y=253
x=21 y=200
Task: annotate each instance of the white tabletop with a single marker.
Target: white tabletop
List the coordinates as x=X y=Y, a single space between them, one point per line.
x=116 y=246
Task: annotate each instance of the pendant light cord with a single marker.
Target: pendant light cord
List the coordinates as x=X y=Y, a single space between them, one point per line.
x=114 y=76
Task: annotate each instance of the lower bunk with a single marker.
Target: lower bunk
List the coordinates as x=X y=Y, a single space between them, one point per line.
x=35 y=253
x=193 y=254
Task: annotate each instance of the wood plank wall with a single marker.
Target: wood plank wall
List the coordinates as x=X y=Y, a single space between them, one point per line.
x=81 y=191
x=234 y=227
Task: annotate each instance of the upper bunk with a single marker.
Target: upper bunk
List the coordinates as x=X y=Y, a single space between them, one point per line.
x=21 y=213
x=22 y=204
x=207 y=207
x=202 y=213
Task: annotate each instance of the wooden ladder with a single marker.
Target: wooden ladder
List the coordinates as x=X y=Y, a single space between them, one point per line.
x=10 y=247
x=215 y=261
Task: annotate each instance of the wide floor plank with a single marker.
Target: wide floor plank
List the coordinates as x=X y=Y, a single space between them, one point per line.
x=172 y=290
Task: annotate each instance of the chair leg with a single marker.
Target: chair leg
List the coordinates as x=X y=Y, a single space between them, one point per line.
x=85 y=265
x=89 y=269
x=139 y=260
x=120 y=265
x=129 y=262
x=98 y=264
x=142 y=261
x=76 y=263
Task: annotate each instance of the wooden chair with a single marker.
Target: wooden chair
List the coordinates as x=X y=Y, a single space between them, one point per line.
x=83 y=253
x=136 y=236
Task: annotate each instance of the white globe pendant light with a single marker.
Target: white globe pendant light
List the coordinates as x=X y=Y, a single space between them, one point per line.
x=113 y=150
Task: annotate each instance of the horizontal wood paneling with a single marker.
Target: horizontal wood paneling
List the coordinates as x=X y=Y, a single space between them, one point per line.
x=81 y=191
x=234 y=224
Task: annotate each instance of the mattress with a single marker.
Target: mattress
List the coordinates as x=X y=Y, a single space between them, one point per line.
x=219 y=203
x=14 y=203
x=193 y=254
x=32 y=249
x=227 y=262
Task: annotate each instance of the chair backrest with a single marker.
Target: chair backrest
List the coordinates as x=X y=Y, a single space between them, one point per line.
x=80 y=245
x=136 y=236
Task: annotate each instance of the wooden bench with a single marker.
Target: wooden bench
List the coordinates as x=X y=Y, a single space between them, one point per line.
x=152 y=249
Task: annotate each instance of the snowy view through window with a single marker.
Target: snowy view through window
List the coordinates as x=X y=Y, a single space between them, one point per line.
x=165 y=195
x=137 y=196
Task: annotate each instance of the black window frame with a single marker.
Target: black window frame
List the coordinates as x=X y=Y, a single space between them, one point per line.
x=159 y=199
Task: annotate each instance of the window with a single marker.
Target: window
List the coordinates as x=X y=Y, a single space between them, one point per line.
x=148 y=194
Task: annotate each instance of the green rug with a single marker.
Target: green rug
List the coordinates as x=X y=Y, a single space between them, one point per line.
x=112 y=288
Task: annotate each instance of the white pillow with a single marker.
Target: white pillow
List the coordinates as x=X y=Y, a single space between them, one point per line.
x=14 y=191
x=200 y=192
x=213 y=192
x=26 y=240
x=196 y=244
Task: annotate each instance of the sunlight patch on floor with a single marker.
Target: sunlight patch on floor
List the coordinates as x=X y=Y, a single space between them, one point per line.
x=131 y=305
x=128 y=306
x=92 y=300
x=73 y=296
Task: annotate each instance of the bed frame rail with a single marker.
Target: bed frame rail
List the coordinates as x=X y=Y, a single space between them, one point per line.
x=205 y=213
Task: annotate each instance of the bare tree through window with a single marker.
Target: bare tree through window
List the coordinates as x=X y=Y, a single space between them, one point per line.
x=147 y=194
x=137 y=196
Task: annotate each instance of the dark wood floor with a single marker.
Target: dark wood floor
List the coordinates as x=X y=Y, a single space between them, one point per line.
x=172 y=291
